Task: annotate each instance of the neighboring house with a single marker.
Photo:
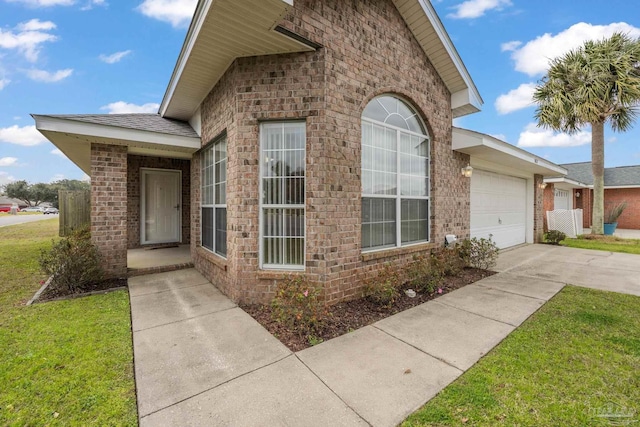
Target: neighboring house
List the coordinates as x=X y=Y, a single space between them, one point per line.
x=300 y=136
x=575 y=191
x=6 y=203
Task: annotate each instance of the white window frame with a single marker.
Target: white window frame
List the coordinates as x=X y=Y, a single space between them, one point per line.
x=263 y=206
x=214 y=205
x=398 y=197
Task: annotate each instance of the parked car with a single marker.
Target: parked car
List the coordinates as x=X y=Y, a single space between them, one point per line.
x=33 y=209
x=50 y=211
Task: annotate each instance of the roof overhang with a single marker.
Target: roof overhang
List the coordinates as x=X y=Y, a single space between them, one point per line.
x=74 y=139
x=493 y=150
x=424 y=23
x=220 y=32
x=566 y=182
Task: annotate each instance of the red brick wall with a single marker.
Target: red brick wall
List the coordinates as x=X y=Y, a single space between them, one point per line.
x=538 y=209
x=630 y=218
x=134 y=163
x=548 y=202
x=368 y=51
x=109 y=206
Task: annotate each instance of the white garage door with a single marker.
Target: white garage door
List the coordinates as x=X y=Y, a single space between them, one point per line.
x=561 y=199
x=498 y=208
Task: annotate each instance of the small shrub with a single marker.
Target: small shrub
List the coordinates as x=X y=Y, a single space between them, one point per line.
x=73 y=262
x=382 y=289
x=554 y=237
x=479 y=253
x=419 y=274
x=298 y=304
x=450 y=261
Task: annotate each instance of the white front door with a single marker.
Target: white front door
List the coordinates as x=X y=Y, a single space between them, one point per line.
x=498 y=208
x=160 y=206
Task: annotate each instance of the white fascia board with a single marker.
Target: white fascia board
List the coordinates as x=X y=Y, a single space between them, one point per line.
x=451 y=50
x=465 y=98
x=54 y=124
x=564 y=180
x=197 y=21
x=618 y=187
x=464 y=138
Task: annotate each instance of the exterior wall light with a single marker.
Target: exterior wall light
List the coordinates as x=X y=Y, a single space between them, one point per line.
x=467 y=171
x=543 y=185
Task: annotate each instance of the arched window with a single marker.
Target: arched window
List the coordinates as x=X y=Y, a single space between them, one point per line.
x=395 y=175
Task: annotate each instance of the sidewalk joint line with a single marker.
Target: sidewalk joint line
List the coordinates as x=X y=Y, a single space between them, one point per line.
x=183 y=320
x=169 y=290
x=331 y=390
x=480 y=315
x=508 y=292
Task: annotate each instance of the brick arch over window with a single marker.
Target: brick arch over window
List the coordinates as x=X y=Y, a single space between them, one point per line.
x=395 y=174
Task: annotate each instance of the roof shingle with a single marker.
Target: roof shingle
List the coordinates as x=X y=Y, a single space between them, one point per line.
x=613 y=177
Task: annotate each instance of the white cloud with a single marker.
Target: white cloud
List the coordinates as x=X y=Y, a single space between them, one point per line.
x=476 y=8
x=36 y=25
x=516 y=99
x=57 y=152
x=85 y=178
x=43 y=3
x=533 y=136
x=4 y=83
x=533 y=57
x=7 y=161
x=5 y=178
x=176 y=12
x=122 y=107
x=26 y=135
x=49 y=77
x=56 y=177
x=612 y=139
x=114 y=57
x=91 y=3
x=28 y=38
x=510 y=46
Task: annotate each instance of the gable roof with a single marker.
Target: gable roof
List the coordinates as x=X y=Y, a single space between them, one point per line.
x=147 y=122
x=621 y=176
x=223 y=30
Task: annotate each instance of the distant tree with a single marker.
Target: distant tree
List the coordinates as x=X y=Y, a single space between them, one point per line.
x=595 y=84
x=34 y=194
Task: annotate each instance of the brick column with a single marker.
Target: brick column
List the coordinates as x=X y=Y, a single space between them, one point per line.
x=538 y=209
x=109 y=206
x=548 y=203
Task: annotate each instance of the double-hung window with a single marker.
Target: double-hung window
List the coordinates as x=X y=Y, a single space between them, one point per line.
x=282 y=201
x=395 y=175
x=214 y=196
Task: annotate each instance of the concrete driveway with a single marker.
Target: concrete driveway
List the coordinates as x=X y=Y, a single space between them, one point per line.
x=609 y=271
x=201 y=360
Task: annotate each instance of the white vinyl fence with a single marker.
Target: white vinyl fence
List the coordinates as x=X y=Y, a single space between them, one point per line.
x=567 y=221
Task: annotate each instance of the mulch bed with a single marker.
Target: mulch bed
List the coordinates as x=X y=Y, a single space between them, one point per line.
x=52 y=293
x=348 y=316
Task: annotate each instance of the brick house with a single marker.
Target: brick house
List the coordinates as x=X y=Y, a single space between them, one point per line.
x=575 y=191
x=304 y=137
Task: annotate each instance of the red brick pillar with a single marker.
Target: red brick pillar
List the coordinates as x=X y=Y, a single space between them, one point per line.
x=548 y=203
x=538 y=209
x=109 y=206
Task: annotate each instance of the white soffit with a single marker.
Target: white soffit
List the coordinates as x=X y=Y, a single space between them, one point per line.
x=74 y=139
x=220 y=32
x=491 y=149
x=427 y=28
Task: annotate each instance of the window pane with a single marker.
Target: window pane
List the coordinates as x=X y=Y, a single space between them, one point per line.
x=207 y=228
x=221 y=231
x=378 y=222
x=415 y=220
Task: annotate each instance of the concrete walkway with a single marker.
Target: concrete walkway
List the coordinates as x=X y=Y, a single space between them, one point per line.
x=201 y=360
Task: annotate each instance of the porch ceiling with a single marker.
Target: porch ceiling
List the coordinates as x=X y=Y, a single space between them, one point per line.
x=491 y=149
x=74 y=139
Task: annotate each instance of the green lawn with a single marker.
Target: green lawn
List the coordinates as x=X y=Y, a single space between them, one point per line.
x=604 y=243
x=578 y=354
x=61 y=363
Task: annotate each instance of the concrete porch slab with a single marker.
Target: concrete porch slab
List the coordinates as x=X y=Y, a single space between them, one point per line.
x=160 y=308
x=142 y=285
x=146 y=257
x=493 y=304
x=526 y=286
x=285 y=393
x=381 y=378
x=447 y=333
x=176 y=361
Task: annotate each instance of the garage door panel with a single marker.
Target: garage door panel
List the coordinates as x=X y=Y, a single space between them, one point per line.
x=498 y=208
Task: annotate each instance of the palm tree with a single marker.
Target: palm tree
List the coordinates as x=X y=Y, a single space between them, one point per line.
x=595 y=84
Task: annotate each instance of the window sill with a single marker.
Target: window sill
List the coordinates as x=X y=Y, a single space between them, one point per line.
x=212 y=257
x=389 y=253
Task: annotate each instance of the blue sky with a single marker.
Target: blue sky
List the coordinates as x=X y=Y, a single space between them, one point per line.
x=95 y=56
